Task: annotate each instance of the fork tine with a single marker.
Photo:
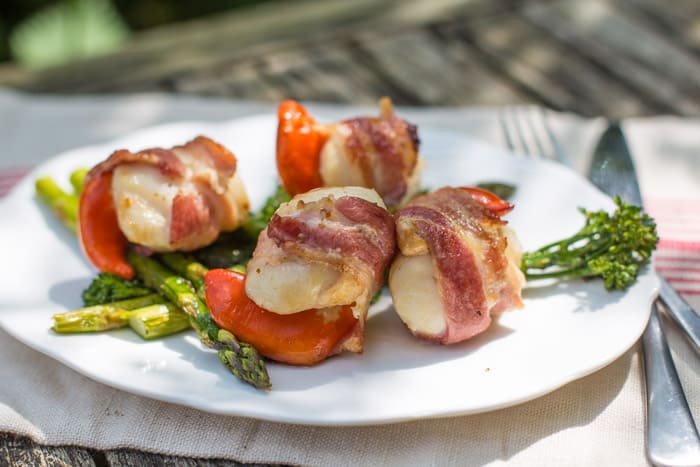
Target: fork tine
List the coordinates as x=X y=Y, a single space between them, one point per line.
x=534 y=132
x=507 y=134
x=519 y=134
x=558 y=151
x=531 y=133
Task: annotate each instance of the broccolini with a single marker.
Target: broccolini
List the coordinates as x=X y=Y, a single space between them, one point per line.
x=610 y=246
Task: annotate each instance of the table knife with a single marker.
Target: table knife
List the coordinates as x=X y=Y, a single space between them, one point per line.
x=672 y=437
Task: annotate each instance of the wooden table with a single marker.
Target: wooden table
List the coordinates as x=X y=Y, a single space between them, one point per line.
x=616 y=58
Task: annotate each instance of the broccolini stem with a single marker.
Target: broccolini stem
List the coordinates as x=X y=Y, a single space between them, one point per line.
x=239 y=358
x=610 y=246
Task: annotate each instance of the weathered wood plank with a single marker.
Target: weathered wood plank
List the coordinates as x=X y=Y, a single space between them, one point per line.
x=133 y=458
x=659 y=71
x=19 y=451
x=435 y=71
x=545 y=70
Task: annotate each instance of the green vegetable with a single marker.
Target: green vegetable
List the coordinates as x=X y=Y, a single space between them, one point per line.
x=240 y=358
x=62 y=204
x=229 y=249
x=257 y=221
x=610 y=246
x=160 y=320
x=108 y=288
x=77 y=179
x=101 y=317
x=500 y=189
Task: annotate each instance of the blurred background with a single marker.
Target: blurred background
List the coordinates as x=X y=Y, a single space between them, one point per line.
x=40 y=33
x=616 y=58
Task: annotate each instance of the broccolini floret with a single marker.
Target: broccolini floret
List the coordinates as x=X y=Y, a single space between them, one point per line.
x=610 y=246
x=108 y=288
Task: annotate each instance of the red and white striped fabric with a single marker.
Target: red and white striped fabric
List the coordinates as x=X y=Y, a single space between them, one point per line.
x=677 y=257
x=10 y=177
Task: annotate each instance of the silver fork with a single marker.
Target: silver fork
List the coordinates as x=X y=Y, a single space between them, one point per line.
x=672 y=437
x=526 y=131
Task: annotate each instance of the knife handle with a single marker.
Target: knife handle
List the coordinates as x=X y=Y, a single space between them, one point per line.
x=672 y=438
x=684 y=316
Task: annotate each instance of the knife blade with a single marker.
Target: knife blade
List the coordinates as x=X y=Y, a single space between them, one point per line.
x=672 y=437
x=612 y=170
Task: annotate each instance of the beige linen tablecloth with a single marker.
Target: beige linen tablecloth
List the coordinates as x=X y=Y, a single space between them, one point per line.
x=597 y=420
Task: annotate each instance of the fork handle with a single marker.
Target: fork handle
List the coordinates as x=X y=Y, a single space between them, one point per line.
x=681 y=312
x=672 y=438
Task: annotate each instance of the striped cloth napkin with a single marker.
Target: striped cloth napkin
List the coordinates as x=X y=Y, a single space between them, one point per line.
x=10 y=177
x=678 y=255
x=667 y=156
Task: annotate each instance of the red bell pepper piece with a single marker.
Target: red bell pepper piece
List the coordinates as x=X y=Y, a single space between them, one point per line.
x=299 y=144
x=101 y=239
x=490 y=201
x=303 y=338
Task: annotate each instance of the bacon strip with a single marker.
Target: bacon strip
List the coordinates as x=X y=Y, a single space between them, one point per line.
x=351 y=230
x=332 y=248
x=380 y=152
x=475 y=267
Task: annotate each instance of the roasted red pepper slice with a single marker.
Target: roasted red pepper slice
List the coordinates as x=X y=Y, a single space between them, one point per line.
x=299 y=144
x=489 y=200
x=303 y=338
x=101 y=239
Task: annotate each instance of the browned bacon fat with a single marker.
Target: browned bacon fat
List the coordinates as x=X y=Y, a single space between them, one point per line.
x=175 y=199
x=324 y=250
x=458 y=264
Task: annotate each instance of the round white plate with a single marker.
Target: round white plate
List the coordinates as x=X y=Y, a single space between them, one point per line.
x=566 y=330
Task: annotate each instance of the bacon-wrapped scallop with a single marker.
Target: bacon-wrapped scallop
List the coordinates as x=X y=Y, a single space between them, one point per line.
x=373 y=152
x=161 y=199
x=458 y=264
x=312 y=276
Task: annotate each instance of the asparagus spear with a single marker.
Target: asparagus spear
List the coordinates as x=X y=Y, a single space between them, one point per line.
x=77 y=179
x=158 y=320
x=101 y=317
x=239 y=358
x=63 y=205
x=188 y=268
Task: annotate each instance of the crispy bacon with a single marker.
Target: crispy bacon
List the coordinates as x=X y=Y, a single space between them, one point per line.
x=474 y=258
x=325 y=248
x=376 y=152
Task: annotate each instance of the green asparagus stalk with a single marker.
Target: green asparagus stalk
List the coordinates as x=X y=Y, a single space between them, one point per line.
x=188 y=268
x=62 y=204
x=101 y=317
x=239 y=358
x=77 y=179
x=160 y=320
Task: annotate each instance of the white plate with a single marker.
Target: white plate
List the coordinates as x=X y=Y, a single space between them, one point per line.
x=566 y=330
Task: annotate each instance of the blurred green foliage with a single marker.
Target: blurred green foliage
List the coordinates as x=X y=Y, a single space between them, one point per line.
x=40 y=33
